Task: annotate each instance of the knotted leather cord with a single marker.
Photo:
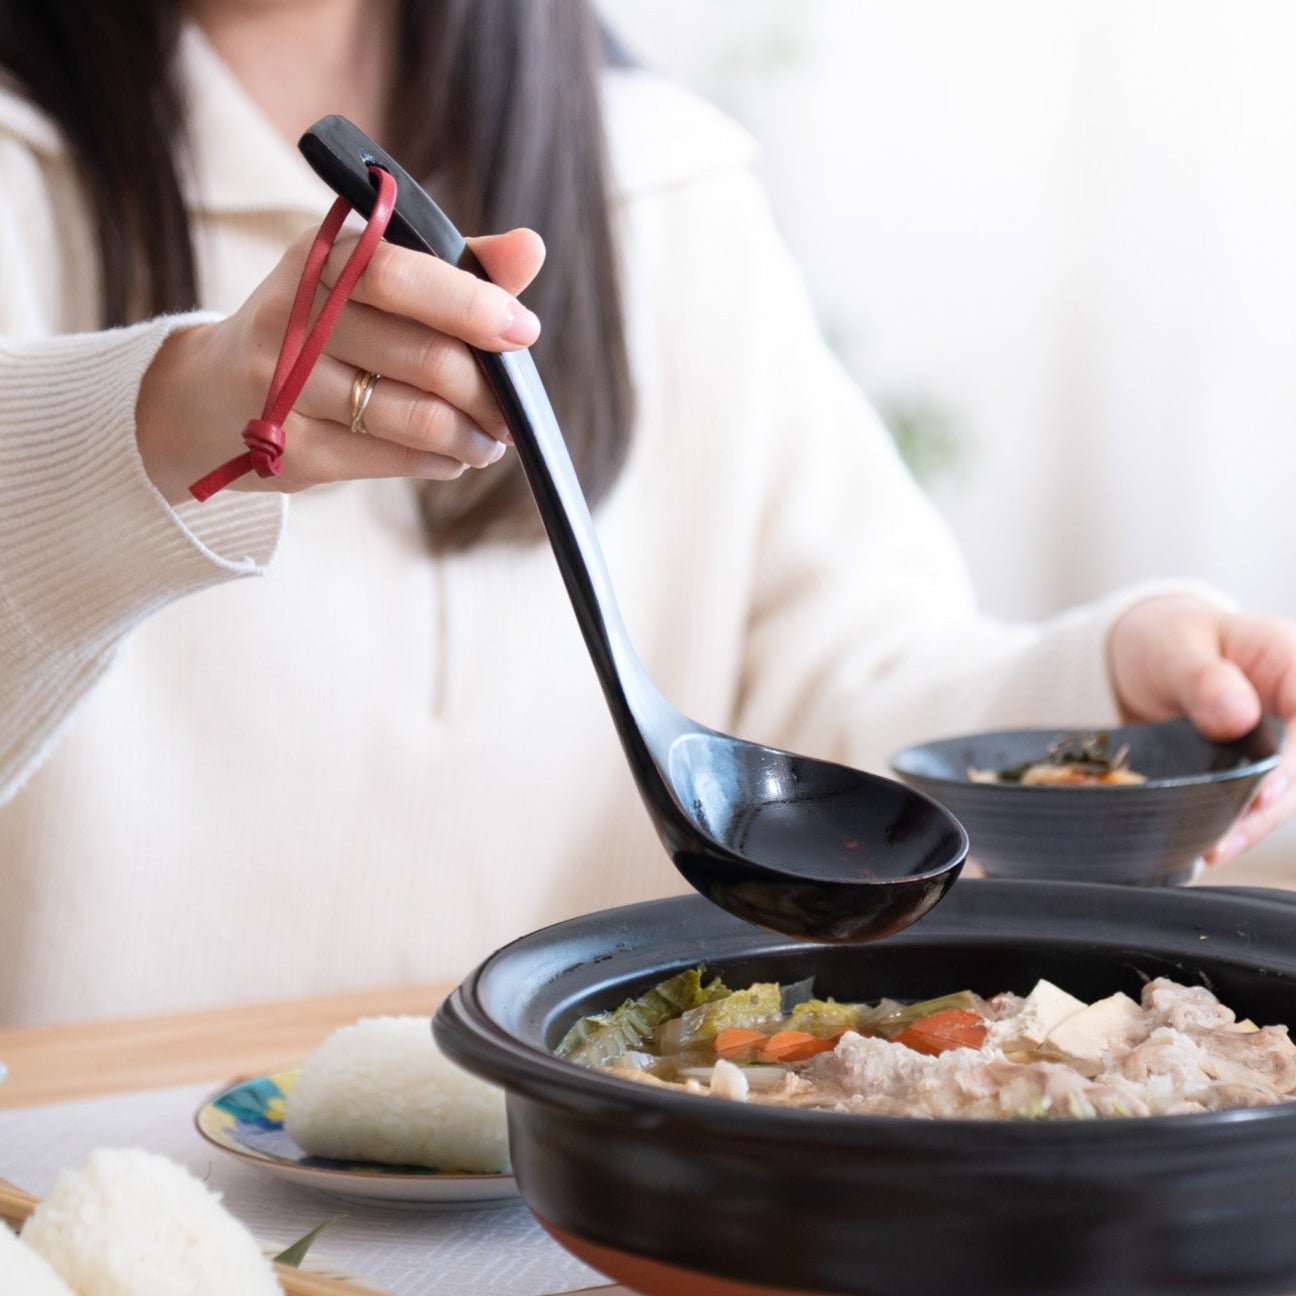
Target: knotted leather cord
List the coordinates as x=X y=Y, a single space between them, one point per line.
x=264 y=436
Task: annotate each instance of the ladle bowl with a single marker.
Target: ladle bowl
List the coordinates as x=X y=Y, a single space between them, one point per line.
x=802 y=846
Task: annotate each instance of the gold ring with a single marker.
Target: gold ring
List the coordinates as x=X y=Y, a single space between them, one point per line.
x=362 y=386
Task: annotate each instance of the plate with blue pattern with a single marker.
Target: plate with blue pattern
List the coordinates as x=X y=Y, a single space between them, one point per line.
x=247 y=1121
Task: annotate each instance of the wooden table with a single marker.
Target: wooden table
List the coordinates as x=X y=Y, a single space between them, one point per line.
x=51 y=1064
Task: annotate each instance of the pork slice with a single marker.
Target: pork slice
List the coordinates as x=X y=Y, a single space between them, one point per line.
x=877 y=1075
x=1171 y=1054
x=1184 y=1007
x=1043 y=1090
x=1266 y=1057
x=1112 y=1096
x=1224 y=1096
x=865 y=1065
x=1004 y=1005
x=983 y=1082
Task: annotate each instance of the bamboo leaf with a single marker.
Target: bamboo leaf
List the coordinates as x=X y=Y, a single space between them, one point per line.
x=293 y=1256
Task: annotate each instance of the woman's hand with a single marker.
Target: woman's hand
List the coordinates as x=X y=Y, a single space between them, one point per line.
x=431 y=414
x=1178 y=655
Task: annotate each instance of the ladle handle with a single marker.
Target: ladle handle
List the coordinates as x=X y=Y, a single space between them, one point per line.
x=341 y=154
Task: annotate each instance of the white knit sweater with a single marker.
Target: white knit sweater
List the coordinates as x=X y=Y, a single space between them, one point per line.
x=372 y=765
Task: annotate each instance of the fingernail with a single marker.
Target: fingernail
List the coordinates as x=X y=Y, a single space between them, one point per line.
x=1232 y=845
x=498 y=453
x=1274 y=789
x=1232 y=706
x=520 y=325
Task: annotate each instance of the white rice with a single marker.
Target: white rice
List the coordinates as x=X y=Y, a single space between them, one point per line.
x=381 y=1091
x=24 y=1273
x=131 y=1223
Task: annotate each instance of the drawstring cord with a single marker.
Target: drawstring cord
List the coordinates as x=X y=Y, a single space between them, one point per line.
x=264 y=436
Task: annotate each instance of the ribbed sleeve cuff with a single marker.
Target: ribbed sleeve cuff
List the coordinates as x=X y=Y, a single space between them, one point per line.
x=88 y=547
x=1063 y=677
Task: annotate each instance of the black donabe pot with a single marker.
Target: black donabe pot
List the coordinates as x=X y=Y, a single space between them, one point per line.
x=683 y=1194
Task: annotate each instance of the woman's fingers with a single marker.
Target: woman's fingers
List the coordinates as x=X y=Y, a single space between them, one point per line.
x=319 y=451
x=1274 y=802
x=1264 y=650
x=410 y=353
x=1177 y=655
x=430 y=414
x=511 y=260
x=1214 y=693
x=442 y=297
x=399 y=413
x=1168 y=659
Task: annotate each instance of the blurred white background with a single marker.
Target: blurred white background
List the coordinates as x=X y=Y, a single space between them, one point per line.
x=1056 y=242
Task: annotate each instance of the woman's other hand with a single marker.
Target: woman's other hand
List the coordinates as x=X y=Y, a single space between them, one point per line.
x=410 y=319
x=1178 y=655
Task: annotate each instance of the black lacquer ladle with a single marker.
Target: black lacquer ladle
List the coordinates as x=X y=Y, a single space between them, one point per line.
x=798 y=845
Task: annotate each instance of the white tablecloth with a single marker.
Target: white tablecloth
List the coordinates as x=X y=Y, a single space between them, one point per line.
x=495 y=1250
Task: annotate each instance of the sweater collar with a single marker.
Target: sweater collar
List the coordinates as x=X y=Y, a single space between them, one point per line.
x=239 y=162
x=236 y=160
x=659 y=136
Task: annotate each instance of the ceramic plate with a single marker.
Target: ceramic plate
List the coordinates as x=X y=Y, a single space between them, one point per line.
x=246 y=1120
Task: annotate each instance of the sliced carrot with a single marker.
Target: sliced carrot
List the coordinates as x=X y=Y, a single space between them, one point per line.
x=794 y=1046
x=737 y=1039
x=953 y=1028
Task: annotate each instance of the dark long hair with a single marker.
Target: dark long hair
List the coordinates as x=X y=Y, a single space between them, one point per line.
x=499 y=97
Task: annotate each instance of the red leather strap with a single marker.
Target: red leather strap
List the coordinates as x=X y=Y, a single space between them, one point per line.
x=300 y=349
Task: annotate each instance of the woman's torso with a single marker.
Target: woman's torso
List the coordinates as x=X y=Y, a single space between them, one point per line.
x=377 y=764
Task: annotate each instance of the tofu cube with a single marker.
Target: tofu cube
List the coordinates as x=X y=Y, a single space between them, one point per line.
x=1088 y=1036
x=1045 y=1008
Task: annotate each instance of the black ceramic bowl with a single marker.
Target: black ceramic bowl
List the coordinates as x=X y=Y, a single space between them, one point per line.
x=1149 y=833
x=683 y=1195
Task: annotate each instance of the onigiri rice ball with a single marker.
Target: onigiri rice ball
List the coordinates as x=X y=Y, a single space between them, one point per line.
x=131 y=1223
x=24 y=1273
x=380 y=1090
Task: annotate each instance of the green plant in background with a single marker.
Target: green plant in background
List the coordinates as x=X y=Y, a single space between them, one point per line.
x=926 y=432
x=775 y=40
x=927 y=435
x=766 y=49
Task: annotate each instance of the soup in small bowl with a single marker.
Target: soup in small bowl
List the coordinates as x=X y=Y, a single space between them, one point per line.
x=1137 y=804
